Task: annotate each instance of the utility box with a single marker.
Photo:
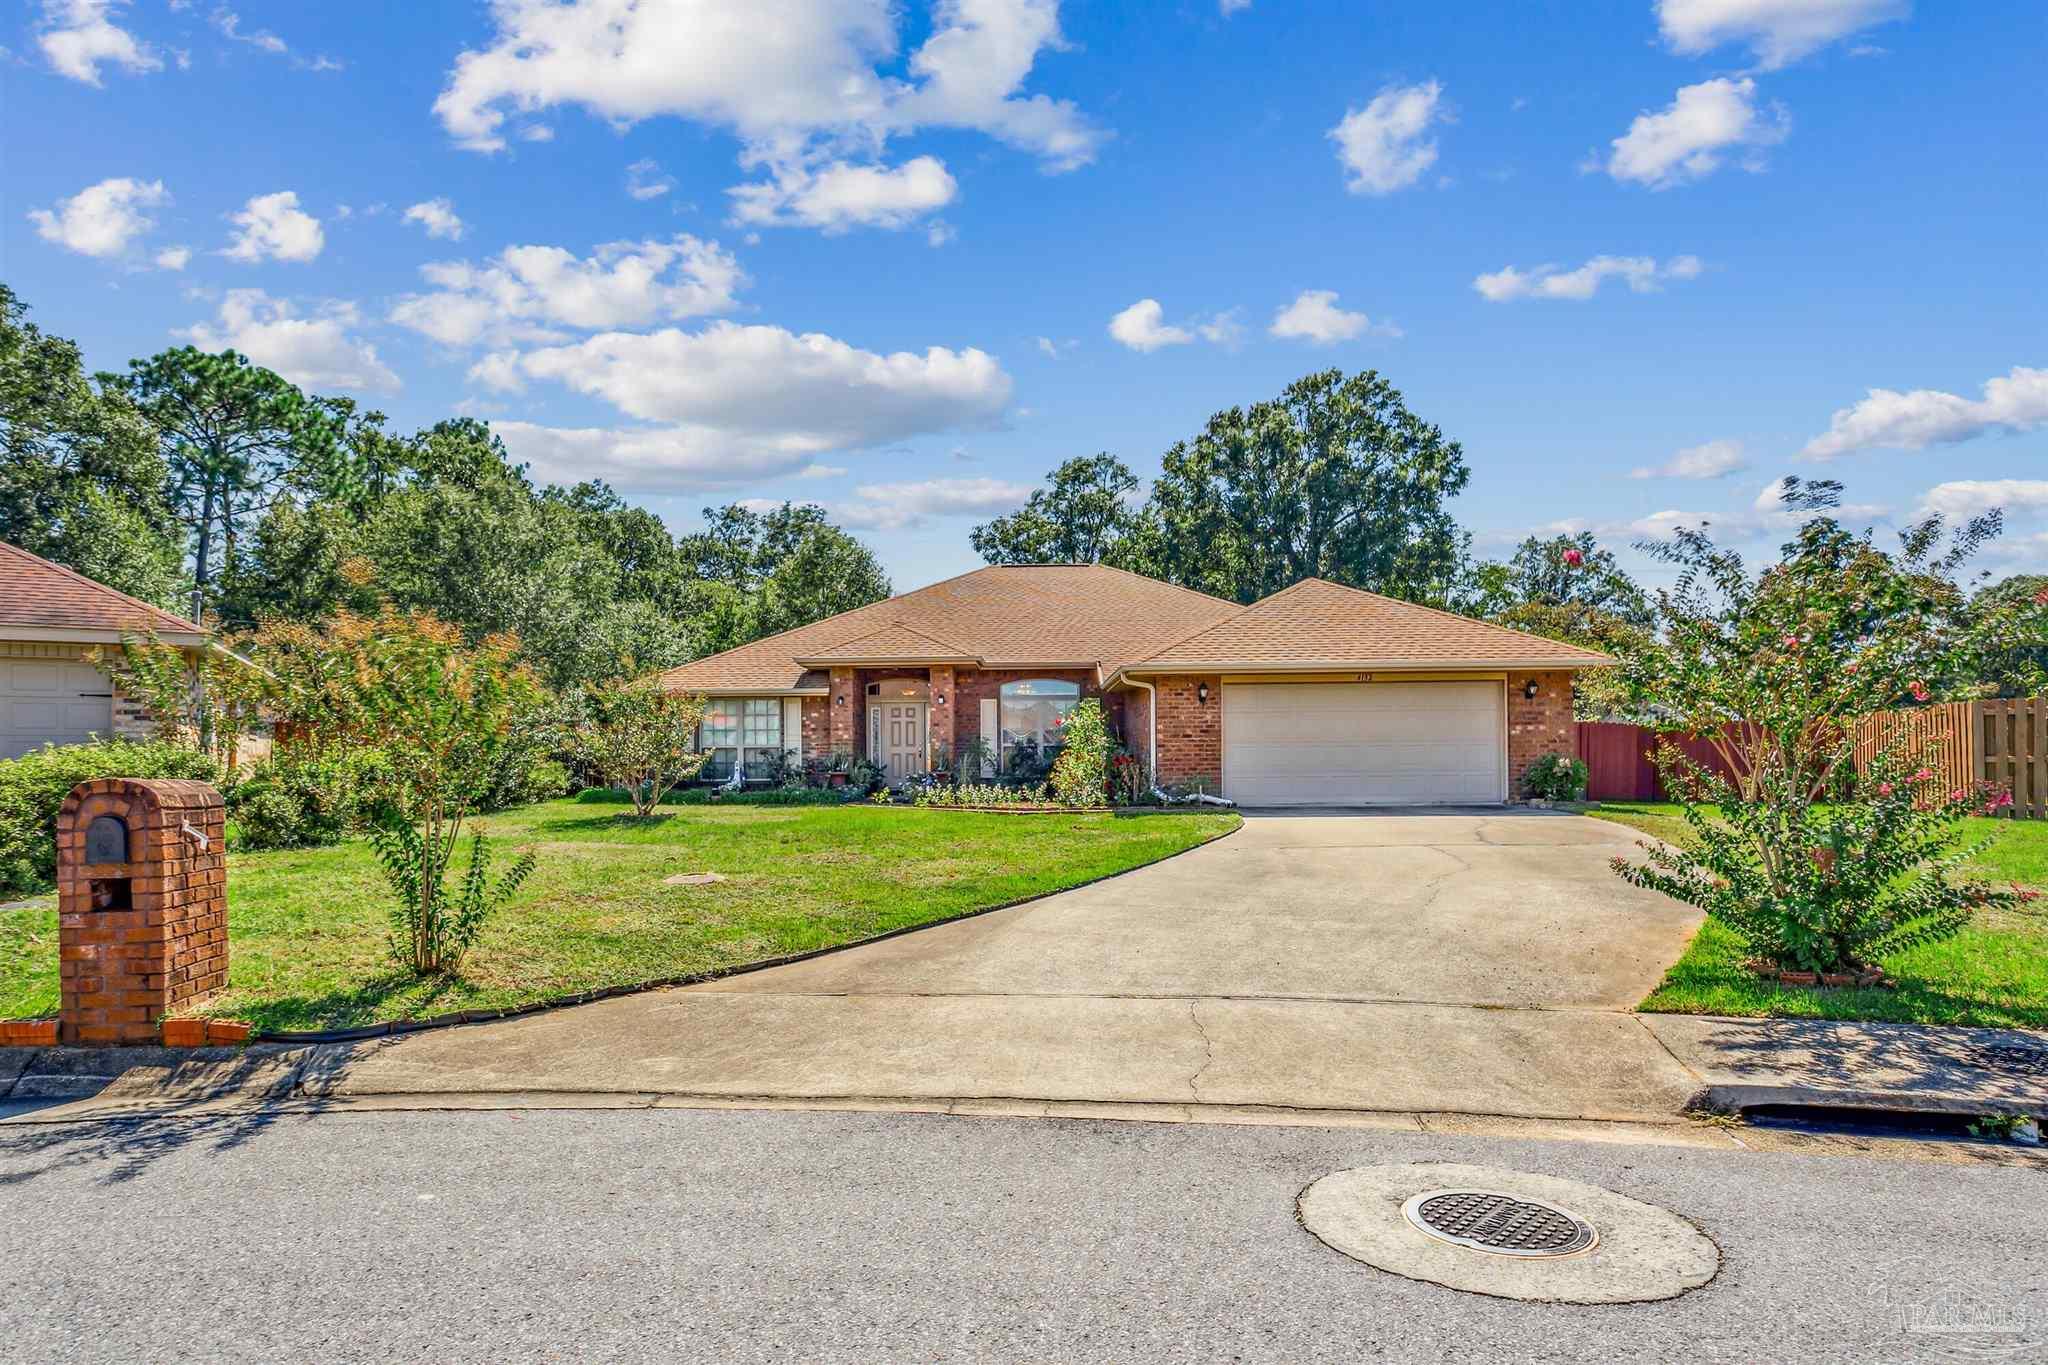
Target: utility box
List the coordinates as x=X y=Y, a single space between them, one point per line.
x=142 y=922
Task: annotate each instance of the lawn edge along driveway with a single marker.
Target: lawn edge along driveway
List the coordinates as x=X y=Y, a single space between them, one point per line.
x=1992 y=975
x=307 y=926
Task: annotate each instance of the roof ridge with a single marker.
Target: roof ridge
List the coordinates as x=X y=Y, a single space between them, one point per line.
x=902 y=625
x=1438 y=611
x=97 y=586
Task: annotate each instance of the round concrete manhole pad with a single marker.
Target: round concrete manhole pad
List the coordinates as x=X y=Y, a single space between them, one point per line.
x=1509 y=1234
x=693 y=879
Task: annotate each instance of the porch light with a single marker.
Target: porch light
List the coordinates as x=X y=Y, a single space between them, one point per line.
x=1202 y=693
x=939 y=700
x=1529 y=690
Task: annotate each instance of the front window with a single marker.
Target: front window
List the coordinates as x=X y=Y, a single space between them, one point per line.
x=1032 y=718
x=761 y=735
x=720 y=733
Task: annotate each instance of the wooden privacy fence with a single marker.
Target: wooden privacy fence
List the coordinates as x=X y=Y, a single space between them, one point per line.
x=1620 y=763
x=2004 y=743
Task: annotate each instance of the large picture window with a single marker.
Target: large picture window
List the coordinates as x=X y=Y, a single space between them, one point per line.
x=741 y=729
x=1032 y=717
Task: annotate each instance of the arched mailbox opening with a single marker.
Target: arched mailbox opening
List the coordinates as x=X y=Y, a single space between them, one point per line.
x=106 y=843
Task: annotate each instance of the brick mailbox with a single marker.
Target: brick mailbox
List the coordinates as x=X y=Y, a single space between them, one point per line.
x=142 y=905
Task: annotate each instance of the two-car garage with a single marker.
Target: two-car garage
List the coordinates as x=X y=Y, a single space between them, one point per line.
x=1364 y=743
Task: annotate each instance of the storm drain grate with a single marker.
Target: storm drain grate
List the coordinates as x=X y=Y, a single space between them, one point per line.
x=2027 y=1061
x=1504 y=1224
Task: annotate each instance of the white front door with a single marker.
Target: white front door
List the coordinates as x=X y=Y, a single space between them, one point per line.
x=896 y=737
x=52 y=701
x=1364 y=744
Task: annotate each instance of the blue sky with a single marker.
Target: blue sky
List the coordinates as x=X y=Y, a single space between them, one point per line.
x=902 y=260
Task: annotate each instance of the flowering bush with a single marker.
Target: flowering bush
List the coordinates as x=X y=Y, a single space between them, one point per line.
x=1554 y=777
x=1820 y=866
x=1080 y=776
x=981 y=794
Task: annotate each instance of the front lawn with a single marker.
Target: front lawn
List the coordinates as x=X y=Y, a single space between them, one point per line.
x=1994 y=973
x=307 y=930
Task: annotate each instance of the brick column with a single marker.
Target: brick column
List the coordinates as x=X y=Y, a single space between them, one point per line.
x=144 y=932
x=1539 y=725
x=945 y=705
x=844 y=702
x=1190 y=731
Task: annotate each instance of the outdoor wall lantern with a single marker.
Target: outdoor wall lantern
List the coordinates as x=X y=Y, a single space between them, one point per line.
x=839 y=700
x=1529 y=690
x=940 y=699
x=1202 y=693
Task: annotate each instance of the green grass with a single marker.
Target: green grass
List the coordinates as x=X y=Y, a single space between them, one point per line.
x=1994 y=973
x=307 y=930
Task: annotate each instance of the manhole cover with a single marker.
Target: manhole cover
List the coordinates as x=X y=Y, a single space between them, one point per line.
x=1487 y=1220
x=692 y=879
x=2027 y=1061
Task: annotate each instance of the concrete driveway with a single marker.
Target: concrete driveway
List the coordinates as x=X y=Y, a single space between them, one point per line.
x=1452 y=961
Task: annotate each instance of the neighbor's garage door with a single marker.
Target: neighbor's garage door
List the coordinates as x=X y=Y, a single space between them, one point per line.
x=1356 y=744
x=51 y=701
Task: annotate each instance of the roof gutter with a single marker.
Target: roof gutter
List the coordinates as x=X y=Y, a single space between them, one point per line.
x=1356 y=665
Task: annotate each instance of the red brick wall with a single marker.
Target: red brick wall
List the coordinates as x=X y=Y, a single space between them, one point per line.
x=121 y=970
x=945 y=705
x=1538 y=727
x=849 y=713
x=817 y=727
x=1190 y=732
x=972 y=687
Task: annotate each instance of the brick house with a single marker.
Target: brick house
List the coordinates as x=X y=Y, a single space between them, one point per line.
x=1317 y=695
x=49 y=617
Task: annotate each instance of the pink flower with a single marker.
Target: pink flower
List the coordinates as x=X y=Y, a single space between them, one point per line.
x=1918 y=689
x=2041 y=598
x=1959 y=793
x=1884 y=789
x=1849 y=667
x=1574 y=558
x=1791 y=642
x=2026 y=894
x=1923 y=774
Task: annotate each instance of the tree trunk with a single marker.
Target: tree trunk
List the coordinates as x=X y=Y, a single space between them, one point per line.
x=202 y=555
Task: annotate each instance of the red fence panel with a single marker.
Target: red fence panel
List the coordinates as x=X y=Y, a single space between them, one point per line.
x=1618 y=767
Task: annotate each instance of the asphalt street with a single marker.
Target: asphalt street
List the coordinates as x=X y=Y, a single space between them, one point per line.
x=788 y=1236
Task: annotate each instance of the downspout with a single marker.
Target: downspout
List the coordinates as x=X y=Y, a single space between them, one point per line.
x=1151 y=727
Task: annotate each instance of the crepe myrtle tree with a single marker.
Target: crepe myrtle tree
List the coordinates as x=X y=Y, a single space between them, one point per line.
x=642 y=737
x=1819 y=865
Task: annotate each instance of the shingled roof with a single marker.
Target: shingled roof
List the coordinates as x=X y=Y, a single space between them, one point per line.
x=1317 y=623
x=1092 y=616
x=1005 y=616
x=37 y=596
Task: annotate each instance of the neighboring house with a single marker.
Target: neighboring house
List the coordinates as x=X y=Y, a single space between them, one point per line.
x=49 y=617
x=1318 y=695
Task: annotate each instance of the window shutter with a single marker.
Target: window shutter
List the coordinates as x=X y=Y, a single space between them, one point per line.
x=991 y=735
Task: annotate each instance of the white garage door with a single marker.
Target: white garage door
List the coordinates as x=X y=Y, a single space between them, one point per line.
x=51 y=701
x=1363 y=744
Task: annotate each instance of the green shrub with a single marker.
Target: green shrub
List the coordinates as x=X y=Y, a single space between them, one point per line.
x=293 y=801
x=981 y=794
x=1080 y=775
x=33 y=788
x=1553 y=777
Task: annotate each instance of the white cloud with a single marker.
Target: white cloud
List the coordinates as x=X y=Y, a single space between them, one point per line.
x=1692 y=137
x=102 y=219
x=822 y=471
x=939 y=233
x=316 y=352
x=1965 y=498
x=524 y=290
x=1708 y=460
x=1778 y=32
x=2012 y=403
x=77 y=36
x=438 y=217
x=801 y=83
x=230 y=25
x=645 y=180
x=1141 y=328
x=1643 y=274
x=273 y=227
x=806 y=394
x=842 y=195
x=1314 y=316
x=174 y=258
x=895 y=506
x=656 y=459
x=1385 y=146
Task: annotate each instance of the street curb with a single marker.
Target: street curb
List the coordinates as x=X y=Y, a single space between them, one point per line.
x=484 y=1016
x=1746 y=1099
